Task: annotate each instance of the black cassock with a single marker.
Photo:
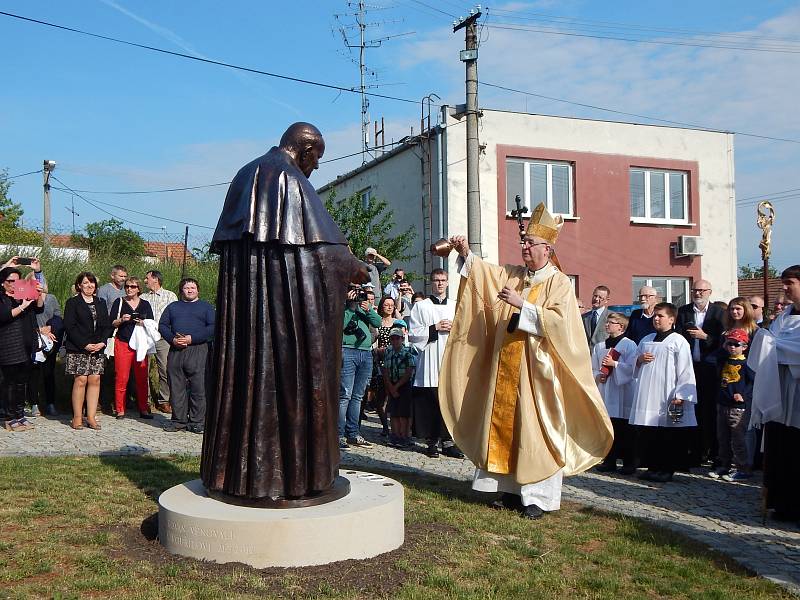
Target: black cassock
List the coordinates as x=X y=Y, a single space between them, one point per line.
x=272 y=411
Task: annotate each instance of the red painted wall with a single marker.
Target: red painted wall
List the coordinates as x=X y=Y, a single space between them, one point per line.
x=603 y=246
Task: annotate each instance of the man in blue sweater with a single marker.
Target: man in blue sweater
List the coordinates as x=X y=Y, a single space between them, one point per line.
x=188 y=326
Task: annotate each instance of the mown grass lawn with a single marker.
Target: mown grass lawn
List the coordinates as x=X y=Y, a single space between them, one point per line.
x=83 y=527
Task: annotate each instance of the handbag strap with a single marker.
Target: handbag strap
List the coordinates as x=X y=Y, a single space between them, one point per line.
x=119 y=315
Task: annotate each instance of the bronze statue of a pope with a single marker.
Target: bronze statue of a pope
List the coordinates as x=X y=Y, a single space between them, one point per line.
x=270 y=437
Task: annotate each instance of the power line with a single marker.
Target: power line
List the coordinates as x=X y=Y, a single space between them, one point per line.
x=208 y=60
x=188 y=188
x=23 y=174
x=772 y=200
x=638 y=116
x=512 y=27
x=125 y=192
x=138 y=212
x=587 y=23
x=769 y=195
x=452 y=16
x=90 y=203
x=712 y=42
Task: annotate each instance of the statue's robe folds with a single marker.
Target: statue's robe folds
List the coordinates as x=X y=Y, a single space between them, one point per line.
x=521 y=405
x=283 y=275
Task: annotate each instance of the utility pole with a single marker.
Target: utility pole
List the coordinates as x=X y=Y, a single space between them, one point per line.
x=74 y=214
x=166 y=243
x=363 y=72
x=469 y=56
x=47 y=168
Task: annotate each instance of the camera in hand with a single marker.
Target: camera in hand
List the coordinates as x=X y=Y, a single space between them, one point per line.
x=25 y=261
x=353 y=329
x=135 y=315
x=361 y=293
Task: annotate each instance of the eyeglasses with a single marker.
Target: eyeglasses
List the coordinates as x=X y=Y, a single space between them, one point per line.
x=647 y=295
x=735 y=344
x=131 y=287
x=699 y=291
x=531 y=243
x=10 y=280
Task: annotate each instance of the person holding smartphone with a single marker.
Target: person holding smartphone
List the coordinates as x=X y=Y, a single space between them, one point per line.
x=17 y=327
x=128 y=312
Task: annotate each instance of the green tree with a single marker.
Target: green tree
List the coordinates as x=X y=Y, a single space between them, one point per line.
x=111 y=238
x=748 y=271
x=11 y=213
x=370 y=225
x=203 y=254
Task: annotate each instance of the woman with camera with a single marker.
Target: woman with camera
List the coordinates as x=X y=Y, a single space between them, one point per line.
x=87 y=327
x=18 y=335
x=129 y=312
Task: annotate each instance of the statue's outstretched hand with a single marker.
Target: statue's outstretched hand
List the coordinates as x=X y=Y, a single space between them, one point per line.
x=361 y=275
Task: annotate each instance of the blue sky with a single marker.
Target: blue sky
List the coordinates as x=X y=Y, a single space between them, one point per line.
x=119 y=118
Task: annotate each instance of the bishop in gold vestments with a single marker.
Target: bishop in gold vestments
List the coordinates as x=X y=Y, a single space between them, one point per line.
x=516 y=387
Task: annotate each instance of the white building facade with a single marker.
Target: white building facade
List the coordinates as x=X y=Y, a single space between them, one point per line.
x=642 y=204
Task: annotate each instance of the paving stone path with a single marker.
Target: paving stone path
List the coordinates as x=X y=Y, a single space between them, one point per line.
x=726 y=517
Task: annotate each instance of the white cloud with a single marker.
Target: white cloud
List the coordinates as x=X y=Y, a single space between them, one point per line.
x=751 y=92
x=172 y=37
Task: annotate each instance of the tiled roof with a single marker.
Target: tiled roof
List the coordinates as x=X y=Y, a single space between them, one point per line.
x=755 y=287
x=167 y=251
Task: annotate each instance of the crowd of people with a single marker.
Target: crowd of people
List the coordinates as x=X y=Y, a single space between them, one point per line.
x=680 y=384
x=391 y=355
x=107 y=332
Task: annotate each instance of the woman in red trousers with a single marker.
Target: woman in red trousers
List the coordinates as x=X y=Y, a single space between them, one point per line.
x=128 y=312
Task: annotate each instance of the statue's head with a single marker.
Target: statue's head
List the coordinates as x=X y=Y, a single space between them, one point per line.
x=304 y=143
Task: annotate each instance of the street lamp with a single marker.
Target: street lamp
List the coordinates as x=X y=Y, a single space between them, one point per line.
x=48 y=167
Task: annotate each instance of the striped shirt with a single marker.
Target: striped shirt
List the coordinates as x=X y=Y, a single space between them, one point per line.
x=159 y=301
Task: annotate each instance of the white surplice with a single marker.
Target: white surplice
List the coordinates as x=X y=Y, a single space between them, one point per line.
x=775 y=357
x=669 y=376
x=424 y=314
x=617 y=391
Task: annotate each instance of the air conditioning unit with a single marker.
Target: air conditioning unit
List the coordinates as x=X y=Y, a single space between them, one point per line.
x=689 y=245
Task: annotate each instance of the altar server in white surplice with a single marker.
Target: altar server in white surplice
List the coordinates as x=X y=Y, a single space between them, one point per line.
x=775 y=358
x=613 y=365
x=664 y=398
x=428 y=331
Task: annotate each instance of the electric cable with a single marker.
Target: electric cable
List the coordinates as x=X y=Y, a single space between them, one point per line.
x=641 y=41
x=218 y=63
x=92 y=204
x=635 y=27
x=638 y=116
x=23 y=174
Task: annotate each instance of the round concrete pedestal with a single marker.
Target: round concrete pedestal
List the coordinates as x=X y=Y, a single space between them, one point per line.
x=365 y=523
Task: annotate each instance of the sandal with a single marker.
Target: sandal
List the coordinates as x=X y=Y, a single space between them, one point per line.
x=77 y=423
x=93 y=424
x=16 y=425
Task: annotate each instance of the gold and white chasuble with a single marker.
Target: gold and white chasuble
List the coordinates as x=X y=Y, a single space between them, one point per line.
x=523 y=405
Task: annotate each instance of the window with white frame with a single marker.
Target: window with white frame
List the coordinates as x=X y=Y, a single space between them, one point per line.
x=669 y=289
x=573 y=279
x=366 y=196
x=659 y=196
x=538 y=181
